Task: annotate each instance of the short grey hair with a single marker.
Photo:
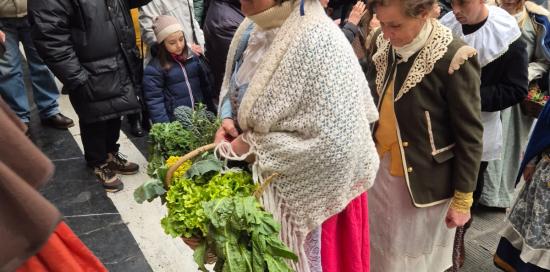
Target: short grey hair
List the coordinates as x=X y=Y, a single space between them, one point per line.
x=411 y=8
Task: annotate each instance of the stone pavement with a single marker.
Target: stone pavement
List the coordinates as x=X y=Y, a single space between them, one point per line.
x=482 y=239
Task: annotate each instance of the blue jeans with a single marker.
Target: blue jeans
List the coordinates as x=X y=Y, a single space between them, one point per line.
x=12 y=85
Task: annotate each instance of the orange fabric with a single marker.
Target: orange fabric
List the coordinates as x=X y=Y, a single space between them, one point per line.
x=386 y=133
x=63 y=252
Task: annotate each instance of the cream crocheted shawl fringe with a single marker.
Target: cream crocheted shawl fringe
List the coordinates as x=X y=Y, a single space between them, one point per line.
x=306 y=115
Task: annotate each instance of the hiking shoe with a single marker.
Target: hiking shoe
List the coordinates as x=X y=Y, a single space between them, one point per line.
x=111 y=183
x=118 y=163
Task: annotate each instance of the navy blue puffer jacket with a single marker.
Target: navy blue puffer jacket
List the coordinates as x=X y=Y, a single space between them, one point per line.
x=181 y=85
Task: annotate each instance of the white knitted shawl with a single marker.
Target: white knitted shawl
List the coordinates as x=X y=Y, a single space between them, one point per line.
x=306 y=115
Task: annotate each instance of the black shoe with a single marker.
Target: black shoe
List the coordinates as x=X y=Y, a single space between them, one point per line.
x=492 y=209
x=118 y=164
x=111 y=183
x=64 y=90
x=136 y=129
x=58 y=121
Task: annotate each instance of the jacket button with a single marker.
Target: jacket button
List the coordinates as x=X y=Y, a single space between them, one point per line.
x=405 y=144
x=410 y=169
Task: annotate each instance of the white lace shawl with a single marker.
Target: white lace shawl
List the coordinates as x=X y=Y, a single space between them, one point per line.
x=306 y=114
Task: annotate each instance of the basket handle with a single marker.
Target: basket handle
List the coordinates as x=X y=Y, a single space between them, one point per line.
x=260 y=190
x=186 y=157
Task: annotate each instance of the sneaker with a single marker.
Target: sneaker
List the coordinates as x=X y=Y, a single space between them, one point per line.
x=118 y=164
x=108 y=178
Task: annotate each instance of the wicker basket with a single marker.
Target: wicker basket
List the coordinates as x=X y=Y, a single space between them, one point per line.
x=531 y=108
x=194 y=242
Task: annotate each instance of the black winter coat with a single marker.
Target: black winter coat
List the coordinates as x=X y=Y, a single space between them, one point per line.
x=222 y=20
x=90 y=46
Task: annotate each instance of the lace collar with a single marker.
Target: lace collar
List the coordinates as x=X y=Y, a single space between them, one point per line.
x=493 y=39
x=434 y=49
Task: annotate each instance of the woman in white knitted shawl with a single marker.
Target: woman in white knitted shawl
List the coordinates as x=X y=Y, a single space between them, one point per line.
x=294 y=90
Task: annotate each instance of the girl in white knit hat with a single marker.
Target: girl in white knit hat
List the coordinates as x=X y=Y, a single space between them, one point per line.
x=175 y=76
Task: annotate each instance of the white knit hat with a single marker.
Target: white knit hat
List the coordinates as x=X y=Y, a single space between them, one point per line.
x=165 y=25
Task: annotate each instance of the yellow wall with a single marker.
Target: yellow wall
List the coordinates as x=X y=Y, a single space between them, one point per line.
x=135 y=16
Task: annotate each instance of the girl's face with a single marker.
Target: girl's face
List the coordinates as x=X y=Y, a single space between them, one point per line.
x=175 y=43
x=253 y=7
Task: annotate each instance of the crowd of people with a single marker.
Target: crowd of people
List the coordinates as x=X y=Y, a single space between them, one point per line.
x=418 y=102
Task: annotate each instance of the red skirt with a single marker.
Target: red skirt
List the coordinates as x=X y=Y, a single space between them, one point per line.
x=345 y=239
x=63 y=252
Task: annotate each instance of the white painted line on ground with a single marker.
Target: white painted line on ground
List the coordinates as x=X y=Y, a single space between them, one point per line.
x=88 y=215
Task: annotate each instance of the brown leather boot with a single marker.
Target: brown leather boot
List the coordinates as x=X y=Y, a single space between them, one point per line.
x=59 y=121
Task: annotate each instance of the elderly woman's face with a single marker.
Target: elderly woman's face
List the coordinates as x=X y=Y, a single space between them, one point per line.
x=253 y=7
x=397 y=27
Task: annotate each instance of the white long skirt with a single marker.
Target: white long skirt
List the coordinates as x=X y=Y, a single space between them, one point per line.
x=403 y=237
